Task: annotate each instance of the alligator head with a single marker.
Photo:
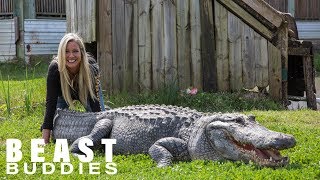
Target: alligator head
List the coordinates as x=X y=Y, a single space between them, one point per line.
x=239 y=138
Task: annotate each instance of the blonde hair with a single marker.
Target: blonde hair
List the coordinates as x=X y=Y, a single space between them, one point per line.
x=85 y=76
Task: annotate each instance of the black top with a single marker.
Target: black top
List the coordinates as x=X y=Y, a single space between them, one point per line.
x=54 y=91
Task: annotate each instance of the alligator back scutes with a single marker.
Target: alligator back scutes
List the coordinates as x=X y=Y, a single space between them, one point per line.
x=159 y=112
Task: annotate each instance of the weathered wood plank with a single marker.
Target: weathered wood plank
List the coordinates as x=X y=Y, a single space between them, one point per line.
x=298 y=51
x=70 y=15
x=170 y=51
x=195 y=32
x=235 y=28
x=81 y=19
x=104 y=43
x=221 y=37
x=261 y=60
x=129 y=45
x=157 y=44
x=135 y=51
x=248 y=18
x=275 y=76
x=183 y=44
x=144 y=45
x=78 y=18
x=248 y=57
x=118 y=44
x=208 y=46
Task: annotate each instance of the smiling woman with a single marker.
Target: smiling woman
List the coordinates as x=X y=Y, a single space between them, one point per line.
x=72 y=75
x=73 y=57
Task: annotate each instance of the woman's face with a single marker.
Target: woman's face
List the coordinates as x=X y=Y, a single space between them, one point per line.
x=73 y=57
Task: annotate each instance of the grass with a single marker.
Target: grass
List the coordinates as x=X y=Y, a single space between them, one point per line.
x=303 y=124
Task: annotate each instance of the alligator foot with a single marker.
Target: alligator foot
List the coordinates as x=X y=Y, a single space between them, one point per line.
x=167 y=149
x=101 y=130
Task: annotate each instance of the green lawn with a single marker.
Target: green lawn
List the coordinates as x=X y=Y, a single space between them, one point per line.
x=24 y=124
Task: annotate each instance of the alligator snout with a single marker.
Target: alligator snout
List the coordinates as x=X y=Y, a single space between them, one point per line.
x=279 y=141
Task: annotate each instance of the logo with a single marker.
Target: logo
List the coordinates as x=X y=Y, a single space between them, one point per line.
x=61 y=155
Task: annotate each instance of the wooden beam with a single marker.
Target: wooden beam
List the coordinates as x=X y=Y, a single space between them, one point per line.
x=262 y=11
x=275 y=76
x=298 y=51
x=247 y=18
x=18 y=12
x=309 y=82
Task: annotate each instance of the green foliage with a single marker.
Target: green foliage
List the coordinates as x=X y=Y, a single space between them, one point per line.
x=317 y=62
x=303 y=124
x=28 y=88
x=6 y=94
x=206 y=102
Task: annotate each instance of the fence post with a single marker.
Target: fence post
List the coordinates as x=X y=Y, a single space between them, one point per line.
x=29 y=7
x=18 y=12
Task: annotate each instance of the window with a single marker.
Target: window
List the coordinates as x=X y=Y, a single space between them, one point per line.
x=51 y=9
x=6 y=9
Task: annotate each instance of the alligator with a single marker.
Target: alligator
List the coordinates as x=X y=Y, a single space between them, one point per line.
x=171 y=133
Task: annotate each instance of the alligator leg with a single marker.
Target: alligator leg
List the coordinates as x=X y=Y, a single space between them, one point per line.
x=167 y=149
x=100 y=130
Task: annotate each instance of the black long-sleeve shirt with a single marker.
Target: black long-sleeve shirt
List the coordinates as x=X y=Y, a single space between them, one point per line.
x=54 y=91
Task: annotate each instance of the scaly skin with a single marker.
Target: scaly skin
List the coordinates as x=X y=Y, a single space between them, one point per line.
x=170 y=133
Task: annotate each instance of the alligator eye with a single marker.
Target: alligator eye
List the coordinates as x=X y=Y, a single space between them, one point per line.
x=239 y=120
x=252 y=118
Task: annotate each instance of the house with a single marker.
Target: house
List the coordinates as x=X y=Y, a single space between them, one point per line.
x=307 y=15
x=30 y=28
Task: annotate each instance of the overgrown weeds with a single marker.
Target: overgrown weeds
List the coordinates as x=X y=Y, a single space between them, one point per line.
x=28 y=92
x=6 y=94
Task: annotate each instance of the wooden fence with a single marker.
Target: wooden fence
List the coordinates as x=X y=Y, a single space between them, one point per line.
x=147 y=44
x=307 y=10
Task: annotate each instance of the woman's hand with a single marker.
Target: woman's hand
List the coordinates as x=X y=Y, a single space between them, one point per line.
x=46 y=135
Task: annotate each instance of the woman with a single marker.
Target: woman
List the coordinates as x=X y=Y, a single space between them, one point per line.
x=72 y=75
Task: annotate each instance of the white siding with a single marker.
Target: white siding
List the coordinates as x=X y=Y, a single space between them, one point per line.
x=308 y=29
x=7 y=40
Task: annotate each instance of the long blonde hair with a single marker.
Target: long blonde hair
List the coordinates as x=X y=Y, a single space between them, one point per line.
x=85 y=76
